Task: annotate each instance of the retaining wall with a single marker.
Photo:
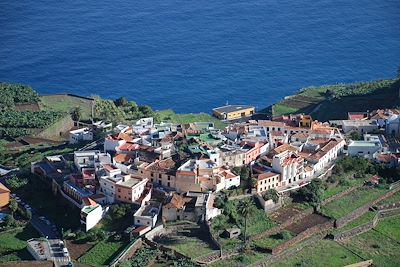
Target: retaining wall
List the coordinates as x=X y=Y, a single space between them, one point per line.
x=283 y=225
x=363 y=209
x=127 y=253
x=317 y=229
x=339 y=195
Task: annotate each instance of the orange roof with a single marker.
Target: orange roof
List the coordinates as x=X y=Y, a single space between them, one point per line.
x=120 y=158
x=4 y=189
x=177 y=201
x=87 y=201
x=266 y=175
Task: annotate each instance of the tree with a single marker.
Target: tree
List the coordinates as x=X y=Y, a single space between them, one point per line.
x=245 y=208
x=9 y=220
x=271 y=194
x=253 y=182
x=311 y=193
x=355 y=136
x=13 y=206
x=121 y=102
x=76 y=114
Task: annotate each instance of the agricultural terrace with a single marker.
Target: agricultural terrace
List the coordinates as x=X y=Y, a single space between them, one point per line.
x=189 y=239
x=335 y=101
x=357 y=198
x=321 y=253
x=383 y=250
x=390 y=227
x=243 y=259
x=66 y=104
x=103 y=252
x=13 y=244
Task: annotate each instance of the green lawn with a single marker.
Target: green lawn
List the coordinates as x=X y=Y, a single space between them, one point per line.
x=103 y=253
x=384 y=251
x=340 y=207
x=390 y=227
x=280 y=109
x=66 y=104
x=13 y=244
x=169 y=115
x=325 y=253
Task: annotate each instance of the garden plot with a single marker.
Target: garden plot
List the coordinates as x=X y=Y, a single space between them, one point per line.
x=306 y=223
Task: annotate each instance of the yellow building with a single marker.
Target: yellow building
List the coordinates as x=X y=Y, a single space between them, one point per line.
x=233 y=112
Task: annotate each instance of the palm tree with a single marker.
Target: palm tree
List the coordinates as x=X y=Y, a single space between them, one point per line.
x=245 y=208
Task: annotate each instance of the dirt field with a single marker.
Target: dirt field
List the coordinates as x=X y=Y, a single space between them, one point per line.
x=27 y=107
x=77 y=250
x=305 y=223
x=284 y=214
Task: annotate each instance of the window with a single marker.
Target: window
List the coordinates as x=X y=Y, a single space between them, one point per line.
x=169 y=177
x=168 y=184
x=159 y=176
x=119 y=190
x=152 y=174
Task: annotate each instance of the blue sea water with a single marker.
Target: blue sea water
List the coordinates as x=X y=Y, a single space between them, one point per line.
x=194 y=55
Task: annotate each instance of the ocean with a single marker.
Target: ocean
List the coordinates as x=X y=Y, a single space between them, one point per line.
x=192 y=56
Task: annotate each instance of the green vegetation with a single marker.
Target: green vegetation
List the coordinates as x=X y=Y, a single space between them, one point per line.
x=392 y=199
x=270 y=242
x=365 y=218
x=38 y=194
x=373 y=245
x=335 y=101
x=103 y=253
x=191 y=246
x=390 y=227
x=12 y=94
x=169 y=115
x=66 y=104
x=257 y=220
x=340 y=207
x=141 y=258
x=321 y=253
x=243 y=259
x=13 y=244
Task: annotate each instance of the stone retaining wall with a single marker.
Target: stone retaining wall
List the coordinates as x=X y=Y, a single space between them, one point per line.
x=317 y=229
x=363 y=209
x=339 y=195
x=283 y=225
x=128 y=252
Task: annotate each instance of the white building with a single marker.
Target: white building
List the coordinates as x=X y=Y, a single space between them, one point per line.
x=393 y=125
x=78 y=135
x=368 y=147
x=91 y=159
x=359 y=126
x=91 y=213
x=147 y=215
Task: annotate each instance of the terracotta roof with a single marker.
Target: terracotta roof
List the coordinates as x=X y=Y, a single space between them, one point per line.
x=3 y=188
x=386 y=158
x=87 y=201
x=120 y=158
x=266 y=175
x=125 y=137
x=285 y=147
x=162 y=165
x=177 y=201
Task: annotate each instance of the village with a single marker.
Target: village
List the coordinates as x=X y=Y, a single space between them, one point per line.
x=152 y=187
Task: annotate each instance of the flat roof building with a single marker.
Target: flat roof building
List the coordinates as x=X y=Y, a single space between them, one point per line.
x=233 y=112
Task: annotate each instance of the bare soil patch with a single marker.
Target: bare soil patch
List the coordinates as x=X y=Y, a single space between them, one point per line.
x=77 y=250
x=284 y=214
x=305 y=223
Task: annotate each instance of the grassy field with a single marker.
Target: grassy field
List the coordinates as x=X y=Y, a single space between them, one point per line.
x=338 y=208
x=190 y=245
x=340 y=188
x=13 y=244
x=269 y=242
x=169 y=115
x=366 y=218
x=65 y=103
x=392 y=199
x=373 y=245
x=102 y=253
x=325 y=253
x=241 y=260
x=374 y=95
x=390 y=227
